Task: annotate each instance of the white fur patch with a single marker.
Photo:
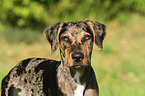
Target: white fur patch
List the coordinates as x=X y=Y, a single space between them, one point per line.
x=80 y=88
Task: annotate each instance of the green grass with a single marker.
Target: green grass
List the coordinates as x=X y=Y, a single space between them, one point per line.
x=119 y=68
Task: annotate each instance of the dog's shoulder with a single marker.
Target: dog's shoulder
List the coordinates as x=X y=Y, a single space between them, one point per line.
x=33 y=66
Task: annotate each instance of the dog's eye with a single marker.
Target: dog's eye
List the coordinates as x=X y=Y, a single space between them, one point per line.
x=65 y=38
x=87 y=37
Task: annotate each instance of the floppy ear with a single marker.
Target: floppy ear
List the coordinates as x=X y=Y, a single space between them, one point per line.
x=99 y=32
x=52 y=35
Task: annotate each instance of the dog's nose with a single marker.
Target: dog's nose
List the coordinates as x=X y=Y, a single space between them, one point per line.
x=78 y=57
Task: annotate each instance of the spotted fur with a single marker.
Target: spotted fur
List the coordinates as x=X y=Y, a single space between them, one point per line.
x=44 y=77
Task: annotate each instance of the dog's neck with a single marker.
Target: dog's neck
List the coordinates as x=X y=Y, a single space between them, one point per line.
x=71 y=80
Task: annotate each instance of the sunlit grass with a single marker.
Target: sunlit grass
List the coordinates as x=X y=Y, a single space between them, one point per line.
x=119 y=68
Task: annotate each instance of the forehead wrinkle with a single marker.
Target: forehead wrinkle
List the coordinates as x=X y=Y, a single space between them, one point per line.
x=84 y=33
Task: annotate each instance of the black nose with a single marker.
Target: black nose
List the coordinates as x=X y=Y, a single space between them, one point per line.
x=78 y=57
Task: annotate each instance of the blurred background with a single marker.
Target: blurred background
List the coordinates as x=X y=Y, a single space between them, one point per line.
x=119 y=68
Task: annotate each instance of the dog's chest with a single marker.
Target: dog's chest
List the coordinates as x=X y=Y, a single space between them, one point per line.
x=79 y=90
x=79 y=87
x=68 y=85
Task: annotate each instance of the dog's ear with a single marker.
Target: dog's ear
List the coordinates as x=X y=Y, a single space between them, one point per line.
x=99 y=32
x=52 y=35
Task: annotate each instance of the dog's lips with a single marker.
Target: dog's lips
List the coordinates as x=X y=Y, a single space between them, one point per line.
x=77 y=66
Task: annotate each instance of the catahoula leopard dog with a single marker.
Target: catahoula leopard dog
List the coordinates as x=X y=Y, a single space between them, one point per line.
x=72 y=76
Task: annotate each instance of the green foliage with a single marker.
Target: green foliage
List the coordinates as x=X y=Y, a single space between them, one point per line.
x=38 y=13
x=23 y=12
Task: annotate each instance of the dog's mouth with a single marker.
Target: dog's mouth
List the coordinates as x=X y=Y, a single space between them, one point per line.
x=79 y=65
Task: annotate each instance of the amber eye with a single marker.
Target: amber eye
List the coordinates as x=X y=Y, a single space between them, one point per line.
x=65 y=38
x=87 y=37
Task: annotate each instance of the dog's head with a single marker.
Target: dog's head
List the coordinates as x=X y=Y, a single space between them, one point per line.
x=75 y=40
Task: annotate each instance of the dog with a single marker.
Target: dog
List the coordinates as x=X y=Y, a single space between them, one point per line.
x=72 y=76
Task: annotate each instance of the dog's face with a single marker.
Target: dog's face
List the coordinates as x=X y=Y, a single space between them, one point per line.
x=75 y=46
x=75 y=40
